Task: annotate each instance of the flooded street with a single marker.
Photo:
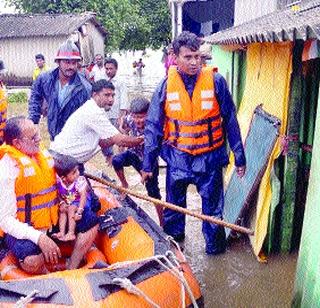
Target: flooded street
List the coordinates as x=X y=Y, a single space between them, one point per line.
x=235 y=279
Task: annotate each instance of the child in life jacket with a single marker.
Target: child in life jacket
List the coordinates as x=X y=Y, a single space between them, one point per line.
x=72 y=190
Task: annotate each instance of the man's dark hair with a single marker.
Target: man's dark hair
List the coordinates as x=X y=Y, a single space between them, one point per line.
x=12 y=129
x=112 y=61
x=186 y=39
x=39 y=56
x=64 y=164
x=102 y=84
x=139 y=105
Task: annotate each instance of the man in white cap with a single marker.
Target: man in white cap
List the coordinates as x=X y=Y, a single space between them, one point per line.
x=64 y=89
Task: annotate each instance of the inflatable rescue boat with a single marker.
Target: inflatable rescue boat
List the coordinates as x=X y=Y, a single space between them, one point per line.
x=133 y=264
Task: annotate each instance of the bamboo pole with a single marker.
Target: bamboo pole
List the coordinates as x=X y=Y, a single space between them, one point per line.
x=171 y=206
x=292 y=158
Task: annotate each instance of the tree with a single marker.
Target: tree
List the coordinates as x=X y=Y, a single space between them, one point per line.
x=132 y=24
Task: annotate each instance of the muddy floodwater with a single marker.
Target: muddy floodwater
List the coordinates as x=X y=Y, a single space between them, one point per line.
x=236 y=278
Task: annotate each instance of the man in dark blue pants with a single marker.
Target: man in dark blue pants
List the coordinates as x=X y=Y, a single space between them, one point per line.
x=190 y=115
x=127 y=159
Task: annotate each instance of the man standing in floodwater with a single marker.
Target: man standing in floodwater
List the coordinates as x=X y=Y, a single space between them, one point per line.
x=189 y=112
x=139 y=66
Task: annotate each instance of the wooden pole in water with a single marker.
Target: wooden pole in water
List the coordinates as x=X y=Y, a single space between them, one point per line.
x=171 y=206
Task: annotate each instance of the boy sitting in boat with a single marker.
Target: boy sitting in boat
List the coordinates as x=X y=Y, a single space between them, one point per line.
x=73 y=196
x=133 y=124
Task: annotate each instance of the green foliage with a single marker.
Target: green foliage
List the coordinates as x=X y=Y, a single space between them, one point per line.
x=132 y=24
x=18 y=98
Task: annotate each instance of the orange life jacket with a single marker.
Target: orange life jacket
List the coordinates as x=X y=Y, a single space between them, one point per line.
x=3 y=111
x=36 y=182
x=193 y=126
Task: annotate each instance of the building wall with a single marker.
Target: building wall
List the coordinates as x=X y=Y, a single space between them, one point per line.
x=246 y=10
x=91 y=43
x=307 y=285
x=232 y=66
x=18 y=53
x=208 y=13
x=201 y=16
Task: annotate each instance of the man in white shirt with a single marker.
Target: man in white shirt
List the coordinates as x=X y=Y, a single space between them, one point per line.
x=120 y=106
x=98 y=72
x=89 y=128
x=28 y=200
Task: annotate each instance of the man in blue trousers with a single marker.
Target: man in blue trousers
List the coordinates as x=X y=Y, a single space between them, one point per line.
x=190 y=115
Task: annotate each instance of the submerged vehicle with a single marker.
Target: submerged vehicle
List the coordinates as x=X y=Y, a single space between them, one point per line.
x=133 y=264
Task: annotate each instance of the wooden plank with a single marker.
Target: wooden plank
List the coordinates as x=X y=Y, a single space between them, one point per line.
x=275 y=200
x=291 y=160
x=264 y=128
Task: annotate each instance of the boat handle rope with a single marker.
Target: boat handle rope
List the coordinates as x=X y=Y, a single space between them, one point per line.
x=176 y=271
x=126 y=284
x=24 y=300
x=177 y=246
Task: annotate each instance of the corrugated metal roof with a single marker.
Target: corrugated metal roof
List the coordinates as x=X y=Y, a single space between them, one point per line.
x=299 y=22
x=27 y=25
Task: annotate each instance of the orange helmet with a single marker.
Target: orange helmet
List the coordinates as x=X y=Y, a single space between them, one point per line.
x=68 y=51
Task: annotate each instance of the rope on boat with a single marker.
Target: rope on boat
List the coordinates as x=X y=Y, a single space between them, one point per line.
x=174 y=268
x=126 y=284
x=176 y=245
x=178 y=272
x=24 y=300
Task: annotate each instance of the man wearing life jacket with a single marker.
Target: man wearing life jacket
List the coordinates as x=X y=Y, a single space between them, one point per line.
x=63 y=89
x=190 y=113
x=3 y=103
x=29 y=201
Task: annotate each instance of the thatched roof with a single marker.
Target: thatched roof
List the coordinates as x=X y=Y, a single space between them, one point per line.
x=34 y=25
x=299 y=22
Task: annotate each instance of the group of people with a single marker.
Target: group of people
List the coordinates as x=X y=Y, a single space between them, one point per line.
x=44 y=197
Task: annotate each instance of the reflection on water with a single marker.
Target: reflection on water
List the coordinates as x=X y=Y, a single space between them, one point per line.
x=236 y=278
